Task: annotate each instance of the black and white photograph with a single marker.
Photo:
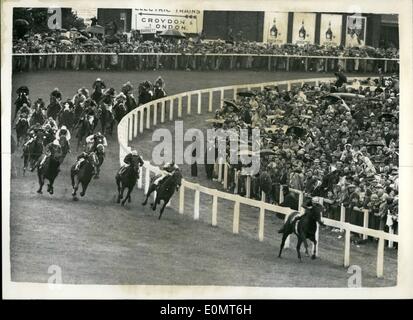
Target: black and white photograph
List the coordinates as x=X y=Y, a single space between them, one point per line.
x=206 y=149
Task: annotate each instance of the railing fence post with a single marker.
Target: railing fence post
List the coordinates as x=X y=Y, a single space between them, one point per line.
x=180 y=107
x=365 y=221
x=347 y=248
x=155 y=113
x=380 y=257
x=199 y=102
x=141 y=115
x=261 y=224
x=342 y=215
x=189 y=103
x=196 y=205
x=248 y=187
x=148 y=117
x=235 y=224
x=171 y=110
x=214 y=210
x=181 y=199
x=163 y=111
x=210 y=96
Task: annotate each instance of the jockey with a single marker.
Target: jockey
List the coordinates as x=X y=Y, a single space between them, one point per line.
x=127 y=88
x=95 y=139
x=63 y=131
x=33 y=131
x=56 y=94
x=25 y=109
x=128 y=160
x=52 y=123
x=49 y=150
x=159 y=82
x=167 y=170
x=82 y=157
x=22 y=116
x=121 y=97
x=98 y=84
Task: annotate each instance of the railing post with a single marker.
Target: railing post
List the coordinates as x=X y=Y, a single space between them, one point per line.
x=180 y=107
x=235 y=224
x=135 y=124
x=225 y=176
x=248 y=187
x=155 y=114
x=163 y=111
x=181 y=199
x=219 y=170
x=141 y=114
x=222 y=94
x=189 y=107
x=196 y=205
x=199 y=102
x=261 y=224
x=380 y=257
x=289 y=85
x=300 y=201
x=236 y=178
x=287 y=240
x=263 y=196
x=148 y=116
x=214 y=210
x=342 y=215
x=347 y=248
x=147 y=180
x=365 y=221
x=282 y=196
x=130 y=132
x=235 y=93
x=171 y=110
x=391 y=231
x=210 y=101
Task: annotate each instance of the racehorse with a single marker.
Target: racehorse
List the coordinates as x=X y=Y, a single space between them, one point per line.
x=78 y=114
x=130 y=103
x=165 y=190
x=37 y=117
x=84 y=175
x=22 y=98
x=145 y=93
x=49 y=170
x=119 y=111
x=106 y=118
x=67 y=118
x=32 y=152
x=53 y=109
x=22 y=126
x=304 y=228
x=159 y=93
x=64 y=144
x=100 y=154
x=85 y=130
x=127 y=179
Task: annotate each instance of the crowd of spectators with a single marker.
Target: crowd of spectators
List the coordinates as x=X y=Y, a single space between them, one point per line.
x=337 y=142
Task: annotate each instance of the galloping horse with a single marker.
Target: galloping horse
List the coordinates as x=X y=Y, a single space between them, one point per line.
x=64 y=144
x=37 y=117
x=304 y=227
x=49 y=170
x=85 y=129
x=22 y=98
x=119 y=111
x=32 y=152
x=128 y=178
x=54 y=108
x=165 y=190
x=67 y=118
x=145 y=93
x=22 y=126
x=159 y=93
x=84 y=175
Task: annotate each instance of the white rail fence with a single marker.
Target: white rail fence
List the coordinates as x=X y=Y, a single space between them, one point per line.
x=146 y=117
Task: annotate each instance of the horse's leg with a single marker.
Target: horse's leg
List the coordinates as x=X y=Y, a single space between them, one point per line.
x=313 y=256
x=41 y=183
x=127 y=196
x=304 y=240
x=163 y=208
x=285 y=236
x=150 y=190
x=50 y=186
x=75 y=185
x=118 y=184
x=157 y=200
x=84 y=188
x=299 y=240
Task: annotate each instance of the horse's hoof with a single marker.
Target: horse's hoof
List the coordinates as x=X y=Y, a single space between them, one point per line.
x=313 y=257
x=144 y=203
x=39 y=191
x=51 y=191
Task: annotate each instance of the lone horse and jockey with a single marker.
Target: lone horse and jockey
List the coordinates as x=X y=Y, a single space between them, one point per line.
x=164 y=185
x=127 y=176
x=83 y=173
x=303 y=226
x=48 y=168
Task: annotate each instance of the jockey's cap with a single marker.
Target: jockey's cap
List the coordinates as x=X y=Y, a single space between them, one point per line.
x=98 y=79
x=121 y=96
x=63 y=128
x=56 y=142
x=100 y=146
x=134 y=152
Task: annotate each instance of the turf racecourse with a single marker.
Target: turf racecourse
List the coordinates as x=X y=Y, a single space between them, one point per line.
x=95 y=241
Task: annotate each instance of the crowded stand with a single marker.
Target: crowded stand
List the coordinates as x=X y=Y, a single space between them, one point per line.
x=336 y=141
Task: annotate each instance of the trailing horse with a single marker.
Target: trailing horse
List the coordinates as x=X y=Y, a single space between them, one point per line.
x=31 y=153
x=119 y=111
x=22 y=127
x=84 y=175
x=85 y=130
x=49 y=170
x=164 y=190
x=127 y=179
x=304 y=227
